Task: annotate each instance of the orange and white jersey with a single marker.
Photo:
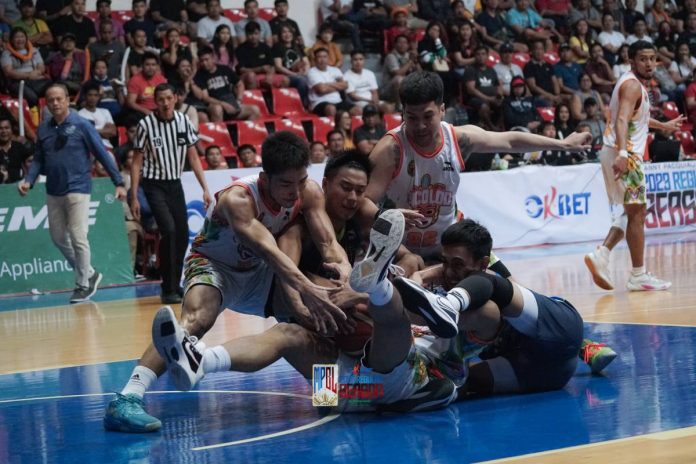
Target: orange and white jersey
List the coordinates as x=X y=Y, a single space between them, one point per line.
x=638 y=126
x=426 y=182
x=218 y=241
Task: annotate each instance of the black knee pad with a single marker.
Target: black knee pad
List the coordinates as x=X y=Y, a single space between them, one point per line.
x=482 y=286
x=500 y=269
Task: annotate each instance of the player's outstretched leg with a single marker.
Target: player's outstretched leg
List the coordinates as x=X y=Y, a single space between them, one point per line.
x=127 y=414
x=596 y=355
x=178 y=349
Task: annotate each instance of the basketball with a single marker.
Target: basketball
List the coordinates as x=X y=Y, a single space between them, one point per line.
x=353 y=344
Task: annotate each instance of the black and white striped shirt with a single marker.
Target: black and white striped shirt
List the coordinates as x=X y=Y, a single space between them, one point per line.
x=164 y=145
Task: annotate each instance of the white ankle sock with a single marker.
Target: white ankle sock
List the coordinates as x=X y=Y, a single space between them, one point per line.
x=638 y=271
x=604 y=252
x=216 y=359
x=382 y=293
x=458 y=298
x=140 y=381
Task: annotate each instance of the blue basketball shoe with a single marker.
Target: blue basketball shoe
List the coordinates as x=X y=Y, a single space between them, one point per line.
x=126 y=414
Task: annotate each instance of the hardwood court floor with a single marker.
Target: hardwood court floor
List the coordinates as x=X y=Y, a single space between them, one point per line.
x=642 y=410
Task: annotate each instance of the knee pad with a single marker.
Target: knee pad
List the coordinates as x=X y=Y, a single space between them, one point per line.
x=482 y=287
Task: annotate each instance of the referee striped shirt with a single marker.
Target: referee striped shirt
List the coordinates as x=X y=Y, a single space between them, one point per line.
x=164 y=145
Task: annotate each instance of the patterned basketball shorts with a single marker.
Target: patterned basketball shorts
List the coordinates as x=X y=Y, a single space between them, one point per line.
x=629 y=189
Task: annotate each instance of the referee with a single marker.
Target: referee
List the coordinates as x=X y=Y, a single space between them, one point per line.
x=165 y=138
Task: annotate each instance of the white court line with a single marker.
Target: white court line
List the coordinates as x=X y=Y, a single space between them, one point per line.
x=640 y=323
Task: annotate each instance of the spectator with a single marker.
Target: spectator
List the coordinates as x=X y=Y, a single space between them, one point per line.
x=484 y=90
x=317 y=152
x=563 y=120
x=184 y=84
x=630 y=16
x=325 y=41
x=248 y=157
x=640 y=32
x=140 y=100
x=281 y=19
x=433 y=10
x=682 y=16
x=610 y=39
x=458 y=15
x=411 y=9
x=666 y=42
x=336 y=142
x=255 y=61
x=623 y=64
x=527 y=24
x=142 y=22
x=63 y=154
x=36 y=29
x=505 y=68
x=399 y=27
x=223 y=46
x=580 y=41
x=175 y=52
x=682 y=67
x=325 y=84
x=104 y=10
x=136 y=52
x=290 y=61
x=362 y=84
x=600 y=71
x=214 y=158
x=584 y=10
x=343 y=122
x=182 y=106
x=196 y=10
x=518 y=107
x=110 y=90
x=9 y=13
x=208 y=25
x=581 y=95
x=399 y=63
x=21 y=61
x=124 y=152
x=369 y=16
x=567 y=71
x=52 y=10
x=594 y=119
x=372 y=130
x=464 y=47
x=494 y=29
x=543 y=84
x=108 y=49
x=220 y=88
x=68 y=66
x=657 y=15
x=99 y=117
x=171 y=13
x=334 y=14
x=77 y=24
x=689 y=34
x=690 y=102
x=556 y=157
x=12 y=154
x=432 y=51
x=555 y=10
x=251 y=8
x=134 y=229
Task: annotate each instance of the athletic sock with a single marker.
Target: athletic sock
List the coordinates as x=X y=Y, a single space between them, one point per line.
x=458 y=298
x=603 y=252
x=638 y=271
x=382 y=293
x=216 y=359
x=139 y=382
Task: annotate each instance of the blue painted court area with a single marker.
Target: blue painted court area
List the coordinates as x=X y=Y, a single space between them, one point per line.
x=55 y=415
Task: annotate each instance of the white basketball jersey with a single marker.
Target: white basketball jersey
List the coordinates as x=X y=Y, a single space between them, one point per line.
x=218 y=241
x=638 y=126
x=427 y=182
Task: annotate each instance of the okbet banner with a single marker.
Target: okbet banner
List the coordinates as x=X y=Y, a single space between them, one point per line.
x=29 y=259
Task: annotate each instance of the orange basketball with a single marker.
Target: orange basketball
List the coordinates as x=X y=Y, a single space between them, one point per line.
x=354 y=343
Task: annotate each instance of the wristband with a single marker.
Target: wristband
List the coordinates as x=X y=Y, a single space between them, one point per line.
x=623 y=153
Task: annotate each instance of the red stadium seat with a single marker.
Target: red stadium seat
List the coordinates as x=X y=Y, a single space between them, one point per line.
x=255 y=97
x=547 y=113
x=646 y=155
x=287 y=103
x=321 y=128
x=234 y=14
x=291 y=125
x=670 y=110
x=93 y=15
x=12 y=104
x=551 y=58
x=687 y=141
x=493 y=58
x=122 y=135
x=521 y=59
x=216 y=133
x=392 y=120
x=123 y=15
x=267 y=13
x=251 y=132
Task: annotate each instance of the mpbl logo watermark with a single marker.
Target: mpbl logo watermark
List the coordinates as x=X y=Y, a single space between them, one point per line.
x=355 y=386
x=325 y=385
x=557 y=206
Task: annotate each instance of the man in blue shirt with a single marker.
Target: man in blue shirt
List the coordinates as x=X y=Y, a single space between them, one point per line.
x=64 y=144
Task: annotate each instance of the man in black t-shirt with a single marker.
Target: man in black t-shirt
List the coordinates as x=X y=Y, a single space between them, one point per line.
x=366 y=136
x=542 y=82
x=76 y=23
x=220 y=88
x=483 y=87
x=12 y=154
x=281 y=8
x=255 y=60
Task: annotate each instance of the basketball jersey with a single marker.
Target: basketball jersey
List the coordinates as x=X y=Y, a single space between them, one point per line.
x=218 y=241
x=350 y=240
x=638 y=126
x=426 y=182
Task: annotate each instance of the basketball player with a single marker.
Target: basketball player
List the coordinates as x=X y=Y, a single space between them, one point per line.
x=625 y=140
x=417 y=165
x=533 y=340
x=394 y=360
x=233 y=259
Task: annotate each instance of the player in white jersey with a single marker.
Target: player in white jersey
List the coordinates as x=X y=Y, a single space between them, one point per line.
x=417 y=165
x=625 y=140
x=233 y=259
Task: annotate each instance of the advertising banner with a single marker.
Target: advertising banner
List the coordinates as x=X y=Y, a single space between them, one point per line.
x=29 y=259
x=671 y=195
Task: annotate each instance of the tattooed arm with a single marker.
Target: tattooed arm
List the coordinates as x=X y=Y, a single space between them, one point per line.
x=385 y=158
x=474 y=139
